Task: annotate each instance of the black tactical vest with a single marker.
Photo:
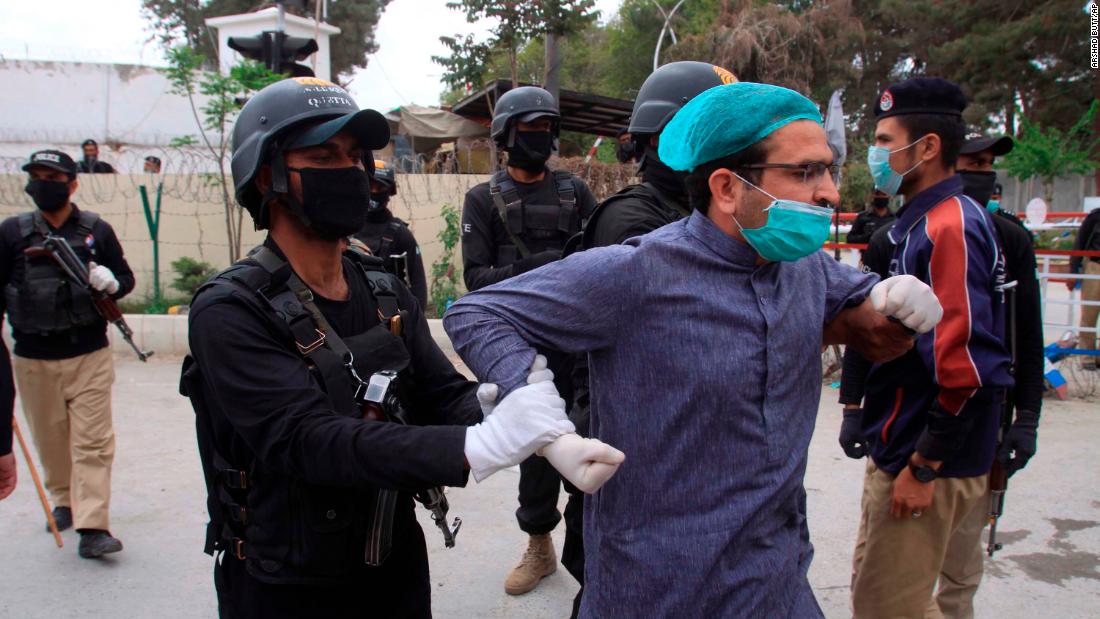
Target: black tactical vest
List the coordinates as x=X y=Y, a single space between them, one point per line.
x=47 y=301
x=663 y=206
x=533 y=228
x=287 y=530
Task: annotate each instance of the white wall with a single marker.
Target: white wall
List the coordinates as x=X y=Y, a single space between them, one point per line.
x=60 y=104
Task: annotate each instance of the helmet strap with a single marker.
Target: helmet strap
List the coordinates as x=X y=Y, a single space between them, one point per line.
x=280 y=190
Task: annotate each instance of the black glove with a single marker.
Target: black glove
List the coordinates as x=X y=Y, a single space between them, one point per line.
x=851 y=437
x=534 y=261
x=1019 y=443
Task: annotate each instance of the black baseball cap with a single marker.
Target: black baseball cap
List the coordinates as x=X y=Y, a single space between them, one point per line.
x=152 y=159
x=921 y=95
x=976 y=143
x=89 y=142
x=53 y=159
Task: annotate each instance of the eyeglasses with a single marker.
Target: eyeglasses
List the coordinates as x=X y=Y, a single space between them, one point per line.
x=812 y=173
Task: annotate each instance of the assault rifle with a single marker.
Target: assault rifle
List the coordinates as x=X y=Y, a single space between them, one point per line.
x=59 y=250
x=378 y=398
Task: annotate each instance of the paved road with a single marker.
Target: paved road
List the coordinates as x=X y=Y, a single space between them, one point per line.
x=1050 y=566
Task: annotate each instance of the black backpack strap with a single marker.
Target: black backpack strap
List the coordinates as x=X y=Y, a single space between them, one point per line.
x=505 y=195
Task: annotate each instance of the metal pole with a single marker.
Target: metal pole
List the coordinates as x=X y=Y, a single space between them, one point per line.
x=664 y=29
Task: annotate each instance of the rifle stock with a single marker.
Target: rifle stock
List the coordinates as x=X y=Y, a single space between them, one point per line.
x=58 y=249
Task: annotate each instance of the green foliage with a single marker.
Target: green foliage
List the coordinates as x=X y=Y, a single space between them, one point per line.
x=183 y=141
x=1049 y=152
x=518 y=23
x=190 y=274
x=182 y=22
x=222 y=93
x=445 y=283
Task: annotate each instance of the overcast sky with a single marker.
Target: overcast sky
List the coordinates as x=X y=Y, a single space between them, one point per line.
x=113 y=31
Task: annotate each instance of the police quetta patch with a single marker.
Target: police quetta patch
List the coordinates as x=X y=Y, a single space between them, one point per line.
x=47 y=157
x=886 y=102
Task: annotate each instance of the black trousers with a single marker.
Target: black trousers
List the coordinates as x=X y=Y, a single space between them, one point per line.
x=539 y=483
x=400 y=588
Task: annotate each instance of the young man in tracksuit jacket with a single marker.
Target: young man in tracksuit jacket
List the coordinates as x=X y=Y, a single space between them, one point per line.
x=931 y=417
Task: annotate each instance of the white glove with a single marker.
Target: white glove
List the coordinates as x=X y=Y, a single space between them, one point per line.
x=487 y=392
x=909 y=300
x=526 y=419
x=586 y=462
x=101 y=278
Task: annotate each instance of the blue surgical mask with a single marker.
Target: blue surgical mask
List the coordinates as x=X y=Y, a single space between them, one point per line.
x=794 y=229
x=886 y=179
x=992 y=206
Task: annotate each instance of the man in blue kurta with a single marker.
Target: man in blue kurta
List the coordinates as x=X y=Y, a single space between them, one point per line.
x=704 y=341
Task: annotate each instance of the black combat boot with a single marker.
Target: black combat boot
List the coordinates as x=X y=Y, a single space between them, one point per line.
x=62 y=517
x=96 y=543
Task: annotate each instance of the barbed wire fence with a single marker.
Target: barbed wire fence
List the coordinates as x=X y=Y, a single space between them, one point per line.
x=193 y=219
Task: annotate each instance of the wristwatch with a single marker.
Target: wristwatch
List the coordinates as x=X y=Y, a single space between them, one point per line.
x=922 y=472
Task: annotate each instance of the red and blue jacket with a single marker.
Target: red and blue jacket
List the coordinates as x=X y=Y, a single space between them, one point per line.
x=943 y=398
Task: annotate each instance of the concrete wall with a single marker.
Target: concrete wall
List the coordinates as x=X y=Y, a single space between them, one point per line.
x=193 y=219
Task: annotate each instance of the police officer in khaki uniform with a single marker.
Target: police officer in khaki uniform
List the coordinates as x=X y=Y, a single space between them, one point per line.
x=63 y=365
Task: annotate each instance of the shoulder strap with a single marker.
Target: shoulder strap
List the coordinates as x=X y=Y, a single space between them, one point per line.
x=29 y=224
x=567 y=198
x=505 y=197
x=86 y=222
x=382 y=285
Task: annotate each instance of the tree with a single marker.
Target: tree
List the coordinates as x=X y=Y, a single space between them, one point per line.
x=181 y=22
x=515 y=24
x=222 y=93
x=1049 y=152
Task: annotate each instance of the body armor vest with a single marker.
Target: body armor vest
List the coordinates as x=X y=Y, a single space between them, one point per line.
x=286 y=529
x=533 y=228
x=47 y=301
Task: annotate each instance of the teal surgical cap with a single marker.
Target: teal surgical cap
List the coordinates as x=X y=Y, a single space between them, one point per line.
x=727 y=119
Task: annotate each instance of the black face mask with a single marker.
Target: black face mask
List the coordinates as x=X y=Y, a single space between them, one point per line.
x=880 y=203
x=531 y=150
x=979 y=185
x=669 y=181
x=333 y=199
x=49 y=196
x=625 y=152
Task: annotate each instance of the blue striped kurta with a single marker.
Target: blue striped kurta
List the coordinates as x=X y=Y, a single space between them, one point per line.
x=706 y=371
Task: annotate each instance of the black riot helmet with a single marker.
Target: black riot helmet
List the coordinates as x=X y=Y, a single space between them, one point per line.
x=522 y=104
x=384 y=175
x=667 y=89
x=294 y=113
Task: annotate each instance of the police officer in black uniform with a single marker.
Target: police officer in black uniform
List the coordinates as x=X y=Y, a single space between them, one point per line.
x=516 y=222
x=90 y=163
x=312 y=369
x=389 y=238
x=660 y=199
x=876 y=215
